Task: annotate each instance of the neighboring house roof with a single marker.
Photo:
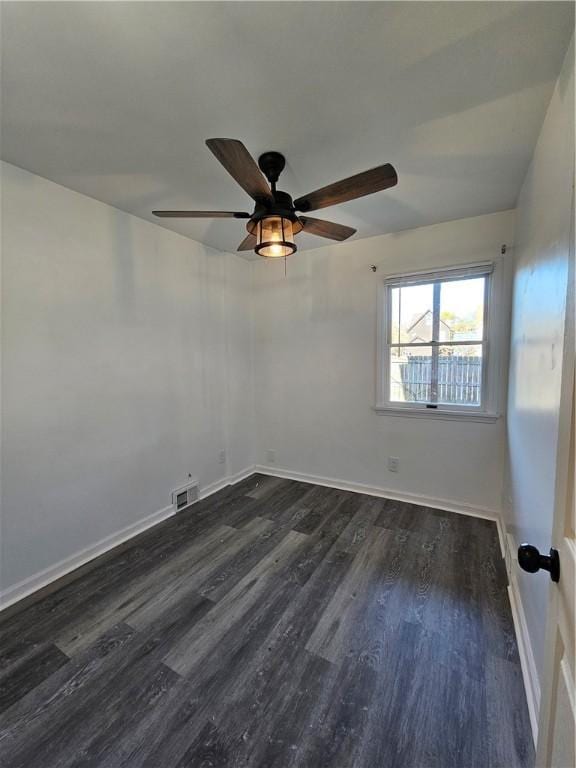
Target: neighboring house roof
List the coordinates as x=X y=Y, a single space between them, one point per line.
x=424 y=321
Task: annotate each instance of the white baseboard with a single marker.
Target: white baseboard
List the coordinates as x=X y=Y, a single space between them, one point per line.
x=525 y=650
x=31 y=584
x=224 y=481
x=411 y=498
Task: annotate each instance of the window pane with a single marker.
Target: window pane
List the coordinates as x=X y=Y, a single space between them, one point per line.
x=462 y=310
x=412 y=314
x=460 y=375
x=410 y=374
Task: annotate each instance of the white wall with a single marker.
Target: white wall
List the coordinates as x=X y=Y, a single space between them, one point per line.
x=315 y=369
x=126 y=365
x=544 y=213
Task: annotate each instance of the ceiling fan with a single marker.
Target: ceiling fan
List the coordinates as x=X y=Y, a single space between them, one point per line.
x=276 y=218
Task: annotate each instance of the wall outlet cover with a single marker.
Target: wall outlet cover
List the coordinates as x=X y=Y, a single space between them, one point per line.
x=271 y=456
x=393 y=463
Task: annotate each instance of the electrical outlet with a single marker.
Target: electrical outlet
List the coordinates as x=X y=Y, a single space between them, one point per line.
x=393 y=464
x=271 y=456
x=222 y=457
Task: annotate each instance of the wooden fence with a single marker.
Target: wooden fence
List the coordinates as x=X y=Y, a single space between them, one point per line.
x=459 y=379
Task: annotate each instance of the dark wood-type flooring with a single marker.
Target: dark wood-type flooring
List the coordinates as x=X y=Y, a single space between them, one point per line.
x=274 y=624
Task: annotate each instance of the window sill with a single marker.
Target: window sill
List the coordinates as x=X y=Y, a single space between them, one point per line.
x=436 y=413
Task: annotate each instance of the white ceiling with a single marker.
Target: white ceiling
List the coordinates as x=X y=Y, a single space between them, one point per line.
x=115 y=100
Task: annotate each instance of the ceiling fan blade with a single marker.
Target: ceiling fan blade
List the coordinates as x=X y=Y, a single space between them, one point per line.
x=248 y=244
x=359 y=185
x=241 y=166
x=326 y=228
x=201 y=214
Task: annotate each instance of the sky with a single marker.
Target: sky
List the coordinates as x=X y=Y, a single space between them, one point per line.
x=462 y=298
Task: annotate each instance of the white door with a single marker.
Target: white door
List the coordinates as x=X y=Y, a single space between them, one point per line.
x=556 y=728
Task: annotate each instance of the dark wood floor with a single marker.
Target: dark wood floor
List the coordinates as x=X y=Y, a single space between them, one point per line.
x=275 y=624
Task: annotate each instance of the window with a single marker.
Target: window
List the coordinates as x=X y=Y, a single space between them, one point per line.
x=434 y=344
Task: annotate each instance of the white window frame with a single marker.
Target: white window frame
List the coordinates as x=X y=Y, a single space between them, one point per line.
x=492 y=344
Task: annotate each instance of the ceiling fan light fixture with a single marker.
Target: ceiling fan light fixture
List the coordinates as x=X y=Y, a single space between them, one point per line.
x=274 y=222
x=274 y=237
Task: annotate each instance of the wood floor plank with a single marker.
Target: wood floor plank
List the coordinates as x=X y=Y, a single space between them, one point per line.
x=130 y=679
x=228 y=574
x=93 y=732
x=323 y=535
x=409 y=703
x=275 y=743
x=143 y=596
x=208 y=749
x=506 y=734
x=331 y=637
x=266 y=485
x=242 y=693
x=275 y=624
x=454 y=609
x=338 y=717
x=397 y=515
x=251 y=484
x=28 y=672
x=23 y=723
x=142 y=684
x=230 y=610
x=212 y=685
x=285 y=496
x=320 y=502
x=195 y=572
x=267 y=679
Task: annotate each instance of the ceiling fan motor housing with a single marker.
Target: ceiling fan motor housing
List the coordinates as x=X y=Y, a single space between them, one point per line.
x=281 y=206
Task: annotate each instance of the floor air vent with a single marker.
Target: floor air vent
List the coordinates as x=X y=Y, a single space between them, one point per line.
x=186 y=495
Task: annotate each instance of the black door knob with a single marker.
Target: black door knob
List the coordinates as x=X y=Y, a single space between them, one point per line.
x=530 y=559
